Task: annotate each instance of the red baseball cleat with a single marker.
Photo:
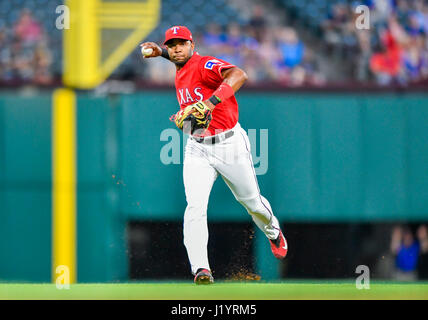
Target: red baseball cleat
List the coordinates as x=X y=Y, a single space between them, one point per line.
x=203 y=276
x=279 y=246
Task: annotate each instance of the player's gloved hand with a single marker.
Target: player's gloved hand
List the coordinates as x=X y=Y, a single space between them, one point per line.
x=193 y=117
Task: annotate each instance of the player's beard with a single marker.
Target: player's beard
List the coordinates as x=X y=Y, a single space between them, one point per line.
x=182 y=63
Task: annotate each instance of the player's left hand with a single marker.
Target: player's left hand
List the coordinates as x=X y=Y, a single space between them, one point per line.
x=193 y=117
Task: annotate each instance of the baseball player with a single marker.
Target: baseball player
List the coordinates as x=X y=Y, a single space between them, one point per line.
x=217 y=145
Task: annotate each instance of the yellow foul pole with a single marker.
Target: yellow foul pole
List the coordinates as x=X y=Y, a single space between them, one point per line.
x=81 y=45
x=84 y=69
x=64 y=185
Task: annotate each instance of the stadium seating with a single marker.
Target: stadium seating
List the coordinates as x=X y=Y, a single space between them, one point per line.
x=340 y=46
x=311 y=12
x=192 y=13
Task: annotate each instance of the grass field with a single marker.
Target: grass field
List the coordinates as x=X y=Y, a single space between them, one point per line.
x=294 y=290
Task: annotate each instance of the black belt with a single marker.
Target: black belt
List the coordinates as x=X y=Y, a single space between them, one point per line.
x=214 y=139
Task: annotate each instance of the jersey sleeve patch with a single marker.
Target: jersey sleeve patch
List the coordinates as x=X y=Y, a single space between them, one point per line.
x=210 y=64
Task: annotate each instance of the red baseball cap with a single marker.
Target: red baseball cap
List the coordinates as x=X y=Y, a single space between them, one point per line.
x=178 y=32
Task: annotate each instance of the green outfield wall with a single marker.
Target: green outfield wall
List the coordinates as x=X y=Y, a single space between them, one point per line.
x=330 y=158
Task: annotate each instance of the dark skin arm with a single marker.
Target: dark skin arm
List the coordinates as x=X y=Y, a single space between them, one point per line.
x=234 y=77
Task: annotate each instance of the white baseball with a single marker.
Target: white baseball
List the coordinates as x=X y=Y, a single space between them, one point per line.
x=146 y=51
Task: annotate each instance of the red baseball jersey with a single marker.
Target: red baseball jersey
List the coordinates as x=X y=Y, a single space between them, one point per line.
x=197 y=80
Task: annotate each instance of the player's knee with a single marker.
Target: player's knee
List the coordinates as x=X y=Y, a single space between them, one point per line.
x=195 y=212
x=258 y=209
x=253 y=205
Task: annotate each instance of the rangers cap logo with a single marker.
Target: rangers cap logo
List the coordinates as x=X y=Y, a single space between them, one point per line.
x=178 y=32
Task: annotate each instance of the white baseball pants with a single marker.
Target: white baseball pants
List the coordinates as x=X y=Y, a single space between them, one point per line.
x=231 y=158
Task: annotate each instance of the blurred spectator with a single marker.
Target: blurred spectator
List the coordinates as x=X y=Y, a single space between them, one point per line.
x=414 y=59
x=42 y=62
x=310 y=65
x=250 y=41
x=27 y=29
x=270 y=57
x=233 y=42
x=424 y=16
x=422 y=235
x=213 y=39
x=22 y=58
x=364 y=52
x=406 y=251
x=258 y=22
x=386 y=65
x=415 y=25
x=402 y=9
x=334 y=25
x=292 y=49
x=5 y=56
x=252 y=57
x=380 y=10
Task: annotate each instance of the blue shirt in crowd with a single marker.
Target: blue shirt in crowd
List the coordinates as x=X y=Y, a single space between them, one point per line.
x=407 y=257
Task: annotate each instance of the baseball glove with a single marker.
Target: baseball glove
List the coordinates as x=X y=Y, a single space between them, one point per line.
x=193 y=117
